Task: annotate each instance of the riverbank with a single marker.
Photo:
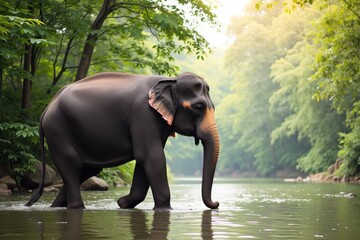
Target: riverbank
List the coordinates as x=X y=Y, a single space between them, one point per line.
x=324 y=178
x=332 y=175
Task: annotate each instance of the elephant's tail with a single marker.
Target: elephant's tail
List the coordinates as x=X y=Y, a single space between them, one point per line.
x=40 y=190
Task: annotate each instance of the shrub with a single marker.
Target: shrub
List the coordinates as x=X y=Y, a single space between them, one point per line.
x=18 y=142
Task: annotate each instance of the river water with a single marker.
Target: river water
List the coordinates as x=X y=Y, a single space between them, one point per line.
x=249 y=209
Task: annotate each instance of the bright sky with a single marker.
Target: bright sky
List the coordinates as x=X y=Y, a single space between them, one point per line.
x=226 y=10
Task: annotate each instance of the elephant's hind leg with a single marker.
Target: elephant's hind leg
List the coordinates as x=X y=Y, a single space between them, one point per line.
x=60 y=200
x=69 y=164
x=89 y=172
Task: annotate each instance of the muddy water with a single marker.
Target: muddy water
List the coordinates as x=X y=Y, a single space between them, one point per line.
x=249 y=209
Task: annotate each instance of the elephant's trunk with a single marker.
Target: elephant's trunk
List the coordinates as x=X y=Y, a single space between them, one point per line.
x=210 y=139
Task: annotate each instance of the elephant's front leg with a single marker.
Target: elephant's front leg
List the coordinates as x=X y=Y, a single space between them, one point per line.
x=139 y=188
x=155 y=168
x=148 y=149
x=154 y=175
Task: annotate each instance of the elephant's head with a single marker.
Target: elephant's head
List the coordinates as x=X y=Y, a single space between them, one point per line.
x=186 y=106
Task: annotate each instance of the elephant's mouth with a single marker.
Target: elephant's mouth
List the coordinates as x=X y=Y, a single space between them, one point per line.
x=197 y=140
x=196 y=137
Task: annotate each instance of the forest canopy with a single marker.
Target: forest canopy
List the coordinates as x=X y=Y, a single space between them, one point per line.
x=286 y=89
x=294 y=94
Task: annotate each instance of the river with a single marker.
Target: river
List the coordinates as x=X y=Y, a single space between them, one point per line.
x=249 y=209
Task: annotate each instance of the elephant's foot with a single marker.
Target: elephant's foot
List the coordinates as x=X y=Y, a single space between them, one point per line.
x=61 y=204
x=127 y=202
x=162 y=209
x=164 y=206
x=77 y=207
x=60 y=200
x=58 y=204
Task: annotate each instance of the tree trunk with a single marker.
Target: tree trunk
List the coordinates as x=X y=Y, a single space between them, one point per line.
x=1 y=83
x=91 y=39
x=25 y=100
x=29 y=66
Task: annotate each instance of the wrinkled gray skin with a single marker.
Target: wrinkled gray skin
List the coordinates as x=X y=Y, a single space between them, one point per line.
x=112 y=118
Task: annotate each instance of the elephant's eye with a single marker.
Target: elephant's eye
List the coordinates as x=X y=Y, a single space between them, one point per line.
x=198 y=108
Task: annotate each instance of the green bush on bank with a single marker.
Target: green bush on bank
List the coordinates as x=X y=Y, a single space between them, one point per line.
x=18 y=142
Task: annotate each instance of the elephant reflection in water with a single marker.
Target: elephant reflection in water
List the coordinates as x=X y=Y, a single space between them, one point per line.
x=161 y=225
x=159 y=229
x=73 y=226
x=206 y=225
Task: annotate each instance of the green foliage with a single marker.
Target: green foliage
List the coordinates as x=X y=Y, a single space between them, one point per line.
x=314 y=123
x=272 y=117
x=288 y=5
x=293 y=90
x=17 y=144
x=337 y=72
x=123 y=172
x=138 y=37
x=351 y=152
x=183 y=156
x=17 y=28
x=248 y=116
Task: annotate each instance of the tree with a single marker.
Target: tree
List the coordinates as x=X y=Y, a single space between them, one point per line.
x=150 y=33
x=289 y=5
x=42 y=43
x=315 y=124
x=270 y=116
x=250 y=59
x=19 y=30
x=165 y=22
x=337 y=72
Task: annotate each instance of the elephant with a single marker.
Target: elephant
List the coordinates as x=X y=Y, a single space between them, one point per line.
x=112 y=118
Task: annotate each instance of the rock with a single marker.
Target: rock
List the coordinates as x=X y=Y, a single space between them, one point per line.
x=94 y=184
x=331 y=169
x=9 y=181
x=318 y=177
x=344 y=180
x=335 y=179
x=57 y=185
x=120 y=183
x=328 y=178
x=289 y=180
x=299 y=179
x=32 y=180
x=4 y=191
x=338 y=163
x=3 y=186
x=350 y=195
x=51 y=189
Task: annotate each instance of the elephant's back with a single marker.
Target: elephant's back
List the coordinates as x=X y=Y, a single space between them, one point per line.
x=117 y=78
x=111 y=75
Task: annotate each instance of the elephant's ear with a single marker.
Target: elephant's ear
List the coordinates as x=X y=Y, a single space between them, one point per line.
x=162 y=98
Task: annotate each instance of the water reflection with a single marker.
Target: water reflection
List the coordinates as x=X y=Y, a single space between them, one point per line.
x=206 y=225
x=254 y=210
x=160 y=224
x=126 y=224
x=71 y=226
x=159 y=228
